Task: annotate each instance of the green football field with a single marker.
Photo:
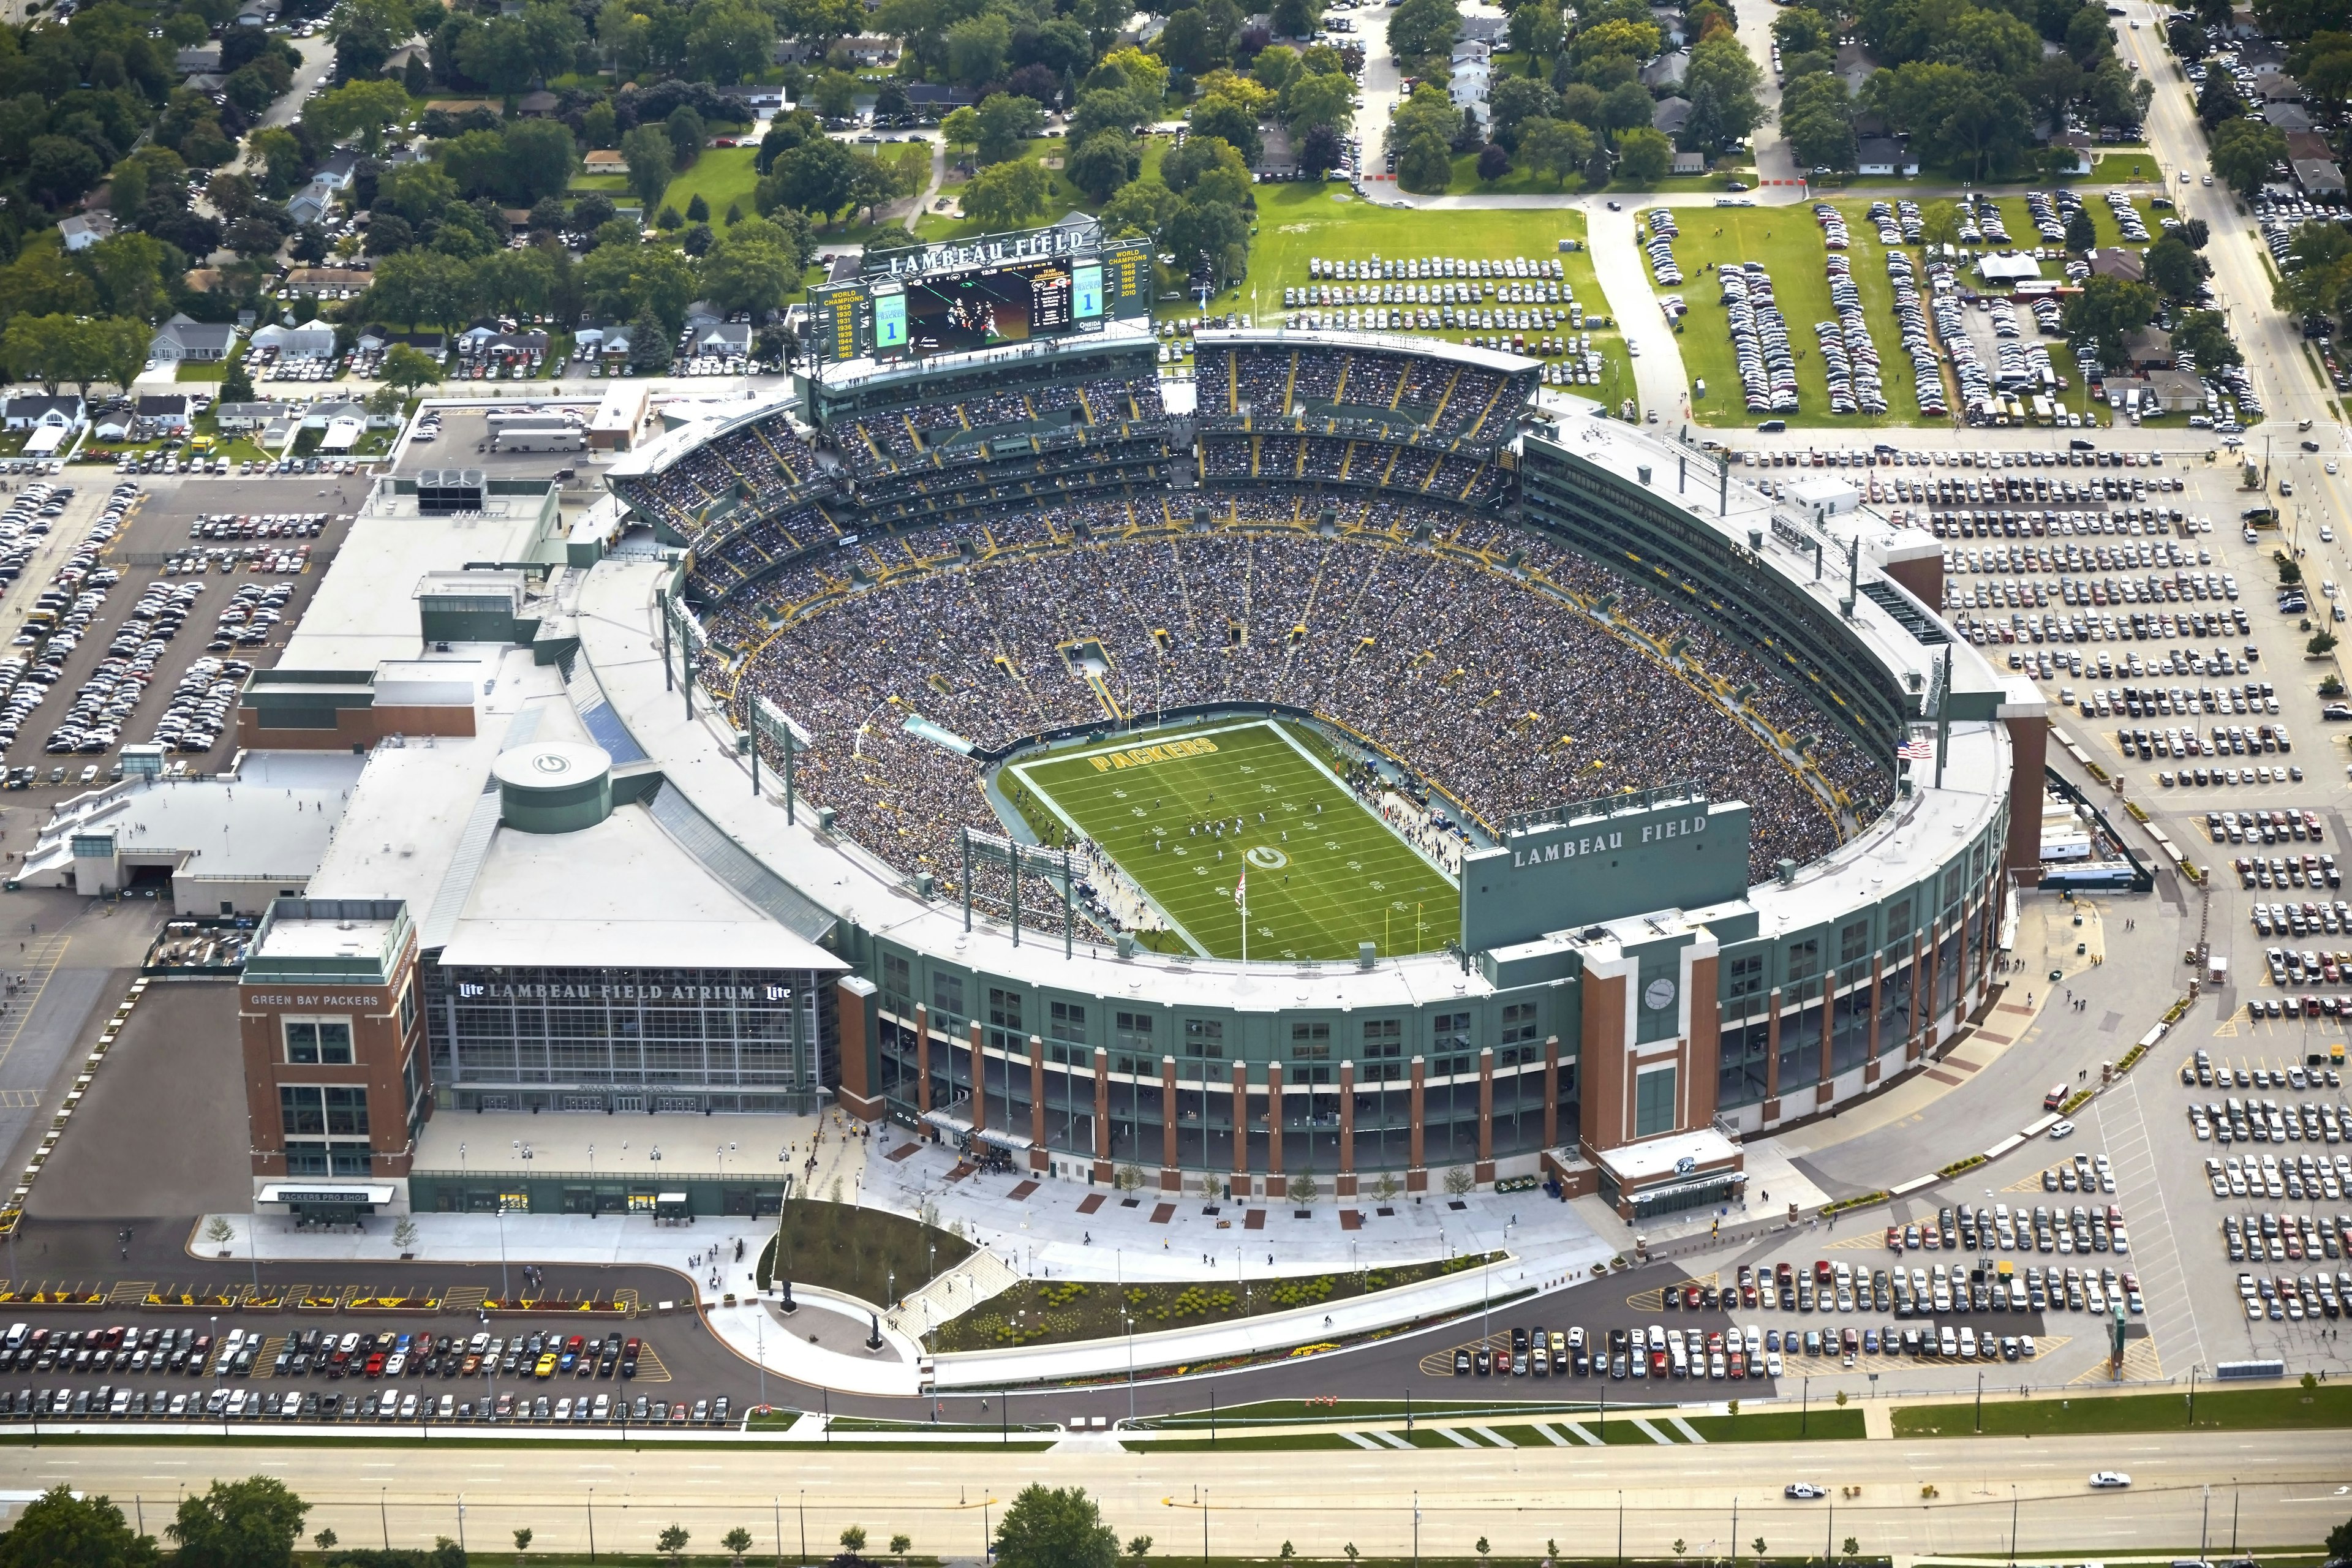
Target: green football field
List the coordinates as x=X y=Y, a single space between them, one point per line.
x=1324 y=873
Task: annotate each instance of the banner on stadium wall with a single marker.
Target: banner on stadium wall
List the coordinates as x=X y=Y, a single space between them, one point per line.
x=1590 y=863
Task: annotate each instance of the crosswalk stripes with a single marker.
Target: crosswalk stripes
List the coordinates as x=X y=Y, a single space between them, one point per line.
x=1393 y=1439
x=1651 y=1433
x=1454 y=1437
x=1361 y=1441
x=1551 y=1435
x=1582 y=1434
x=1687 y=1429
x=1493 y=1436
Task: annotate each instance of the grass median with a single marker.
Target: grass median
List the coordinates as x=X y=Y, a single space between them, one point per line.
x=2234 y=1409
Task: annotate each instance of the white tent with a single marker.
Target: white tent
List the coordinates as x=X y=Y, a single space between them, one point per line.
x=342 y=435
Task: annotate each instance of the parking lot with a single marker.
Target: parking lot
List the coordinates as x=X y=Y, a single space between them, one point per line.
x=145 y=607
x=463 y=441
x=188 y=1366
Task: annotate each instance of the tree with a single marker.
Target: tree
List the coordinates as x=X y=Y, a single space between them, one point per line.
x=2339 y=1541
x=2243 y=152
x=727 y=39
x=1627 y=106
x=2204 y=336
x=365 y=109
x=57 y=1529
x=1721 y=66
x=2081 y=236
x=1421 y=134
x=2106 y=310
x=1102 y=163
x=1459 y=1181
x=251 y=1523
x=1006 y=196
x=237 y=386
x=739 y=1540
x=1304 y=1189
x=834 y=93
x=1419 y=29
x=1005 y=125
x=649 y=348
x=853 y=1539
x=2218 y=100
x=1494 y=163
x=1643 y=157
x=522 y=1544
x=976 y=49
x=60 y=169
x=537 y=164
x=1139 y=1547
x=1515 y=99
x=1055 y=1528
x=408 y=370
x=1537 y=32
x=673 y=1541
x=1817 y=120
x=1232 y=123
x=900 y=1545
x=686 y=132
x=815 y=177
x=325 y=1540
x=404 y=1232
x=1320 y=152
x=1314 y=98
x=650 y=159
x=959 y=127
x=2174 y=269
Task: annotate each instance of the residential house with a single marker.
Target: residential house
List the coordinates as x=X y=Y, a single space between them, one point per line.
x=488 y=337
x=1669 y=70
x=189 y=62
x=1669 y=115
x=933 y=100
x=313 y=339
x=2308 y=144
x=762 y=102
x=83 y=230
x=258 y=13
x=871 y=50
x=608 y=340
x=2288 y=117
x=1690 y=163
x=727 y=340
x=2175 y=392
x=31 y=411
x=168 y=413
x=204 y=279
x=702 y=314
x=327 y=411
x=325 y=280
x=184 y=338
x=2148 y=349
x=1488 y=30
x=2318 y=177
x=377 y=339
x=1670 y=23
x=536 y=105
x=1473 y=76
x=311 y=204
x=337 y=172
x=1884 y=155
x=2112 y=262
x=2277 y=87
x=233 y=416
x=604 y=160
x=2080 y=144
x=207 y=83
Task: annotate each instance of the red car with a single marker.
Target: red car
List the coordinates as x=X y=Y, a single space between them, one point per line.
x=375 y=1365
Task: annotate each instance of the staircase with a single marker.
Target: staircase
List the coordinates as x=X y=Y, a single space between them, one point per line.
x=958 y=1291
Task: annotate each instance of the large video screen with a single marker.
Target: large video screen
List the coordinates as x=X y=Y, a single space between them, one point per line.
x=959 y=312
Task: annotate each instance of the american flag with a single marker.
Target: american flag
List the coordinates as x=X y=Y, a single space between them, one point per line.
x=1241 y=893
x=1919 y=751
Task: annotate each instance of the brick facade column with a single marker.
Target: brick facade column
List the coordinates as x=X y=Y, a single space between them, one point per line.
x=1040 y=1157
x=1914 y=1045
x=1823 y=1092
x=1417 y=1174
x=922 y=1058
x=1274 y=1124
x=1484 y=1169
x=1551 y=1091
x=1344 y=1186
x=1102 y=1115
x=1927 y=985
x=1772 y=1058
x=1171 y=1179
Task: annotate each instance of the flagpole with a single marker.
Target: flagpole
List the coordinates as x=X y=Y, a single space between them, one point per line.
x=1243 y=887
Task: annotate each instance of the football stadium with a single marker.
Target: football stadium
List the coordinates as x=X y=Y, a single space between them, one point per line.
x=1357 y=758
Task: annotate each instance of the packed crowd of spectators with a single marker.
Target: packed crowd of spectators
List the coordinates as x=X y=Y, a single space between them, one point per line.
x=1460 y=478
x=1274 y=381
x=1503 y=695
x=758 y=461
x=879 y=441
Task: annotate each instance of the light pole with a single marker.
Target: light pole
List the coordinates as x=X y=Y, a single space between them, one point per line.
x=1130 y=1368
x=591 y=1524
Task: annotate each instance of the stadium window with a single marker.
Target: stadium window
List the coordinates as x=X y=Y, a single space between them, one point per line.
x=1310 y=1042
x=1653 y=1100
x=319 y=1042
x=1383 y=1039
x=1747 y=975
x=1805 y=959
x=896 y=986
x=1004 y=1020
x=1449 y=1032
x=947 y=1000
x=1067 y=1021
x=1853 y=942
x=1519 y=1022
x=1204 y=1038
x=1898 y=925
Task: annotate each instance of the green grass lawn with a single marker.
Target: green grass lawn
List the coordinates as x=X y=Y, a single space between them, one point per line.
x=2232 y=1409
x=1330 y=874
x=720 y=176
x=870 y=1254
x=1296 y=222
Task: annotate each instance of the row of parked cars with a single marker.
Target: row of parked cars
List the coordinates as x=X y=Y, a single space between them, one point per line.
x=109 y=1402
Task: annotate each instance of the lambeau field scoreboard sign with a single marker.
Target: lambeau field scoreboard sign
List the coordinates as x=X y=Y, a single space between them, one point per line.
x=1603 y=859
x=983 y=292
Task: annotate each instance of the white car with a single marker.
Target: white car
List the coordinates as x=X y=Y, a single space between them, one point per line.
x=2327 y=535
x=2063 y=1130
x=1801 y=1490
x=2106 y=1478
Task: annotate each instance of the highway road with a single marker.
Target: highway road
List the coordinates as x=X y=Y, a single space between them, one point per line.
x=1438 y=1502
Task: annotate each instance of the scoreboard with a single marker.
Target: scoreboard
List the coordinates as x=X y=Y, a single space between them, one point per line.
x=982 y=293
